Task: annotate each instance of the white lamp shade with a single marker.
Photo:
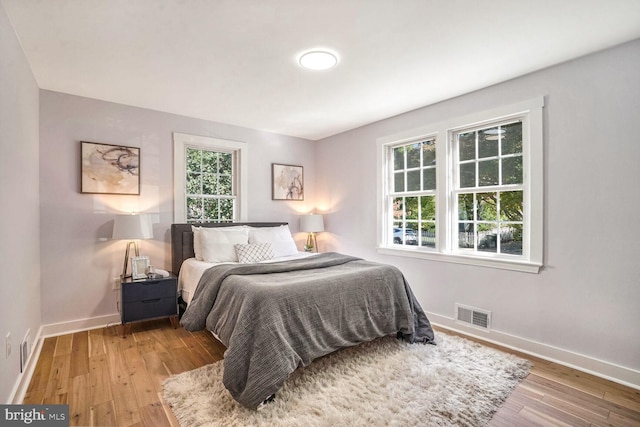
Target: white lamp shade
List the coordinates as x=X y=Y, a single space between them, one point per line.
x=132 y=227
x=313 y=223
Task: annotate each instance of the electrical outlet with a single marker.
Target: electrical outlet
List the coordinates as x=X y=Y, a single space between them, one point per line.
x=7 y=341
x=116 y=283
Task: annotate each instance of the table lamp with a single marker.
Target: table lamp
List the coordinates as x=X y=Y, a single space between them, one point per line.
x=132 y=227
x=312 y=224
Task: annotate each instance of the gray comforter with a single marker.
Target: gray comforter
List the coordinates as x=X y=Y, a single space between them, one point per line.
x=276 y=317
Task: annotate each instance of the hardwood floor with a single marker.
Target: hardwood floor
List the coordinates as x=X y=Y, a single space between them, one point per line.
x=554 y=395
x=111 y=381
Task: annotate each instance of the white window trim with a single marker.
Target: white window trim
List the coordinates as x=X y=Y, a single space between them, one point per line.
x=180 y=143
x=533 y=168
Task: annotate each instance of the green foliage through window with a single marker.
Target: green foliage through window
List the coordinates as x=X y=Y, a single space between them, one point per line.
x=209 y=186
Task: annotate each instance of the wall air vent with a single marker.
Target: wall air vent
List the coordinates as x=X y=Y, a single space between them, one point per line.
x=473 y=316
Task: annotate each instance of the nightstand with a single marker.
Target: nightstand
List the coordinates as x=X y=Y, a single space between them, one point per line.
x=145 y=299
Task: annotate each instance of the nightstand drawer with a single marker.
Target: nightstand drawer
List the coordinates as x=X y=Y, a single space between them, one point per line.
x=149 y=308
x=149 y=289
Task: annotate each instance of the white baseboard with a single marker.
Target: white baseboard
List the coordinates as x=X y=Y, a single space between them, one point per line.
x=599 y=368
x=52 y=330
x=72 y=326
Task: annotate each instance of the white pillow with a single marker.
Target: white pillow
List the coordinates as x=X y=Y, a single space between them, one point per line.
x=255 y=252
x=217 y=244
x=279 y=237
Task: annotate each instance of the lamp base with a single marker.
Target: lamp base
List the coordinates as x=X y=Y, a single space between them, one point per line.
x=124 y=274
x=312 y=244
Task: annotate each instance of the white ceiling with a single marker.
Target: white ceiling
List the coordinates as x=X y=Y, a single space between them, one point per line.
x=234 y=61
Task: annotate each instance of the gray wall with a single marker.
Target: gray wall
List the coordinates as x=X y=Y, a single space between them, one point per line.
x=78 y=259
x=585 y=301
x=19 y=195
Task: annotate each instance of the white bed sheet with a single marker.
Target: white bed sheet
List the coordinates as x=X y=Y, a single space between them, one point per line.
x=192 y=270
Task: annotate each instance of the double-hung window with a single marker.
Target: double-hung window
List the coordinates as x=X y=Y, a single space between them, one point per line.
x=209 y=179
x=467 y=190
x=412 y=194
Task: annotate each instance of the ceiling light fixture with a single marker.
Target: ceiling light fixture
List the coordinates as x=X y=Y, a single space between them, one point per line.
x=318 y=60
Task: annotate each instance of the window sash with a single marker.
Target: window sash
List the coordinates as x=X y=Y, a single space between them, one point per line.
x=400 y=229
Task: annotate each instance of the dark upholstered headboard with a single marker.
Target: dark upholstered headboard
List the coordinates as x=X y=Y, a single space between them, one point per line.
x=182 y=239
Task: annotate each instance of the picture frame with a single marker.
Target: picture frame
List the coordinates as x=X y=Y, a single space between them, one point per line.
x=109 y=169
x=287 y=182
x=139 y=266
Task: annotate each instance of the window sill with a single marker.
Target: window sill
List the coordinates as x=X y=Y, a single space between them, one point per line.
x=504 y=264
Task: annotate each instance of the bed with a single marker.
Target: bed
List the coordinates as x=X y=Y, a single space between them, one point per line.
x=281 y=310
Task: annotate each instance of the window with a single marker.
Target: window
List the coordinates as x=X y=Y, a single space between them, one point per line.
x=209 y=179
x=413 y=193
x=468 y=190
x=488 y=189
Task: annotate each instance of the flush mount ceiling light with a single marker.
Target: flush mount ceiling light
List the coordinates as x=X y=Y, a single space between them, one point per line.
x=318 y=60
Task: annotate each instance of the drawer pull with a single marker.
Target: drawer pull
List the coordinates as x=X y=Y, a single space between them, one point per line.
x=149 y=301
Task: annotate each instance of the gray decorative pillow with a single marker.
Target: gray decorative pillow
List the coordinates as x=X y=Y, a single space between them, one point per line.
x=254 y=252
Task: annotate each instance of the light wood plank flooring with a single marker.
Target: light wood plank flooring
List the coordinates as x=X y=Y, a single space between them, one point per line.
x=111 y=381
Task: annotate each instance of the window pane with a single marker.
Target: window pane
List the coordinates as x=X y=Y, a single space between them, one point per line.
x=428 y=153
x=224 y=185
x=411 y=208
x=209 y=184
x=512 y=139
x=467 y=175
x=413 y=180
x=512 y=170
x=211 y=209
x=465 y=207
x=209 y=161
x=428 y=234
x=413 y=156
x=467 y=144
x=398 y=158
x=194 y=159
x=429 y=179
x=428 y=208
x=398 y=182
x=488 y=172
x=466 y=235
x=487 y=206
x=398 y=208
x=487 y=238
x=194 y=183
x=511 y=240
x=194 y=208
x=226 y=209
x=225 y=165
x=488 y=142
x=511 y=206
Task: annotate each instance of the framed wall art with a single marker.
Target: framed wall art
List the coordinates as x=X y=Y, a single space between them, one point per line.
x=287 y=182
x=109 y=169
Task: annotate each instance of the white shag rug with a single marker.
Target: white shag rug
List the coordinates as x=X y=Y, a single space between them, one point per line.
x=382 y=383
